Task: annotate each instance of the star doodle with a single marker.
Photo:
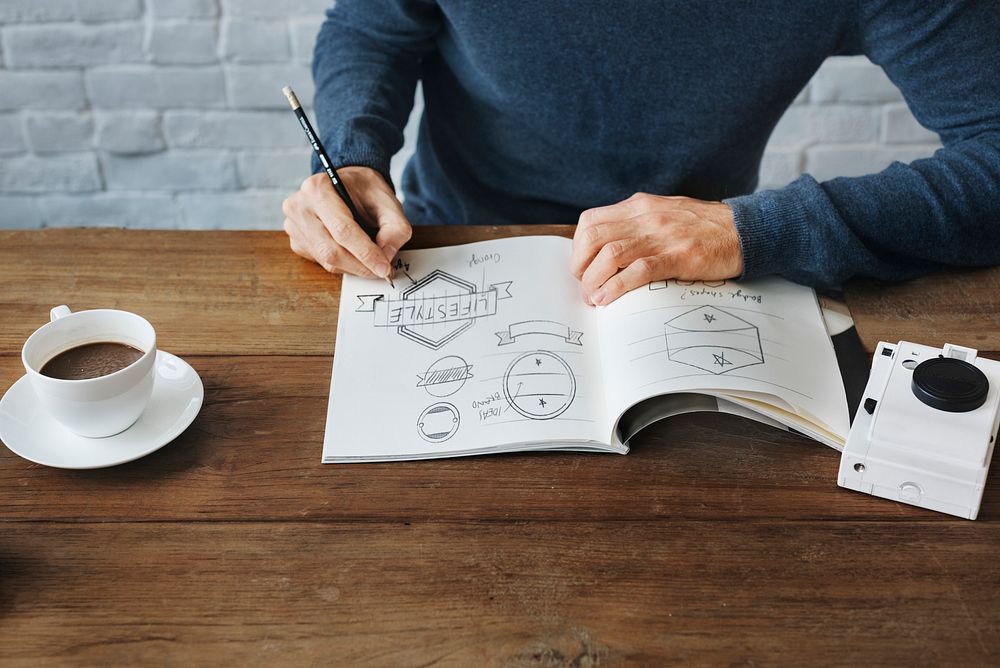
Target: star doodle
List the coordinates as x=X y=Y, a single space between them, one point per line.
x=721 y=360
x=709 y=317
x=541 y=402
x=538 y=362
x=403 y=266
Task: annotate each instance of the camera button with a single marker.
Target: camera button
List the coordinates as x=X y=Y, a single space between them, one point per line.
x=910 y=491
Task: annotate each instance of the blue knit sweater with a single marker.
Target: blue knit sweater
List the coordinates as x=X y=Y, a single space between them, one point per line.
x=539 y=109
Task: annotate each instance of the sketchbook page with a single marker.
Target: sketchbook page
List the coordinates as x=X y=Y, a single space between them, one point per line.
x=478 y=347
x=762 y=340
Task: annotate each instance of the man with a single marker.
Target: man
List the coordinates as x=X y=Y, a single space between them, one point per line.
x=644 y=122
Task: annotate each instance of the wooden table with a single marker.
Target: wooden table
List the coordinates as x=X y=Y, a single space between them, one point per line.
x=716 y=541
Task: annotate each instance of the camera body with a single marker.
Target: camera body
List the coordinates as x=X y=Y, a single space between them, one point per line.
x=926 y=427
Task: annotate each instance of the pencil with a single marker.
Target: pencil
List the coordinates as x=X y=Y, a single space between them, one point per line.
x=338 y=184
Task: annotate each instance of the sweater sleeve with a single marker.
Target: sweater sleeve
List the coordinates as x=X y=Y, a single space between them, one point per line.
x=366 y=65
x=910 y=219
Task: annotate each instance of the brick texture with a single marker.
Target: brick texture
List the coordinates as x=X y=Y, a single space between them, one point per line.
x=72 y=45
x=179 y=170
x=183 y=9
x=11 y=136
x=169 y=113
x=129 y=132
x=182 y=42
x=70 y=172
x=58 y=132
x=25 y=91
x=251 y=41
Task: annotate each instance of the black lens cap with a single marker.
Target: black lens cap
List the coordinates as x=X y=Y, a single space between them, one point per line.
x=950 y=384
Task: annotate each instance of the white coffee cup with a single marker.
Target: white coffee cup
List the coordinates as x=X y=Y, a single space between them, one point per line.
x=92 y=407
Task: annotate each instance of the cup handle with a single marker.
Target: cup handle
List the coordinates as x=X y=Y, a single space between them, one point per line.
x=59 y=312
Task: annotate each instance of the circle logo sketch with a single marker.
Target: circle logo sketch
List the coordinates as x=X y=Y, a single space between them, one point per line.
x=438 y=422
x=539 y=385
x=445 y=377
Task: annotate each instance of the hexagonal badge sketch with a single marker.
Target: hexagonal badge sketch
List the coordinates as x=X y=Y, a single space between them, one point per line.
x=713 y=339
x=435 y=309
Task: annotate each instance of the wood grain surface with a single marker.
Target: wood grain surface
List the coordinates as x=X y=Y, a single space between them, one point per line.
x=961 y=307
x=717 y=541
x=260 y=434
x=511 y=594
x=225 y=293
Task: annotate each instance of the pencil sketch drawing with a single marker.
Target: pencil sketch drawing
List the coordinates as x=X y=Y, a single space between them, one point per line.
x=436 y=308
x=539 y=385
x=662 y=285
x=438 y=422
x=445 y=376
x=540 y=327
x=403 y=267
x=713 y=339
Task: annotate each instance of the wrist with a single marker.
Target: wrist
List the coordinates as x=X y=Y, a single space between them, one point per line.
x=770 y=227
x=361 y=157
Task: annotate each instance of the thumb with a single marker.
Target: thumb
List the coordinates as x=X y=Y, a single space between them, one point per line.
x=394 y=230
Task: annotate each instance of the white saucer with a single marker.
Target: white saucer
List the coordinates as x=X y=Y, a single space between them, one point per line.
x=28 y=430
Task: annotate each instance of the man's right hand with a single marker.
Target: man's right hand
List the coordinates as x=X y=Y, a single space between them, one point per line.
x=320 y=227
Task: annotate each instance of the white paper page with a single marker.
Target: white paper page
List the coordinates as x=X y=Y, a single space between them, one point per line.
x=480 y=346
x=761 y=340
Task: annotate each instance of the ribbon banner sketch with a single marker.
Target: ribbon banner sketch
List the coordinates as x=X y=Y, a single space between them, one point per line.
x=432 y=310
x=547 y=327
x=435 y=309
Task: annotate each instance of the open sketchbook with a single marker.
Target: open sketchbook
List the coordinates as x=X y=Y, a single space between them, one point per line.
x=488 y=347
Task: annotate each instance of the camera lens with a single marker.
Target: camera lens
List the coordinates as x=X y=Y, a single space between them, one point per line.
x=950 y=384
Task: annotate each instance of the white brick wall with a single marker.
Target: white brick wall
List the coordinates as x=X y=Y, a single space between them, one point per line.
x=169 y=113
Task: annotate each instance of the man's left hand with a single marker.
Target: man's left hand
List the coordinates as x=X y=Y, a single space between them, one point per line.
x=649 y=238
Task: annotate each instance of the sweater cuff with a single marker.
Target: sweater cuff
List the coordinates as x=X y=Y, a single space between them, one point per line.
x=774 y=231
x=357 y=157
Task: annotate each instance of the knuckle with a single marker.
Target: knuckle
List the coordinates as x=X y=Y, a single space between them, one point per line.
x=328 y=257
x=615 y=285
x=592 y=235
x=339 y=228
x=586 y=219
x=367 y=255
x=312 y=183
x=636 y=199
x=645 y=266
x=690 y=249
x=618 y=250
x=288 y=206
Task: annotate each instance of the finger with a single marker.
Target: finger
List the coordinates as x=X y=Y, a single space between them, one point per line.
x=588 y=242
x=325 y=251
x=614 y=256
x=336 y=217
x=637 y=274
x=394 y=230
x=292 y=233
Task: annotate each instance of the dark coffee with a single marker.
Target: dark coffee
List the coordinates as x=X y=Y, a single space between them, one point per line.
x=90 y=360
